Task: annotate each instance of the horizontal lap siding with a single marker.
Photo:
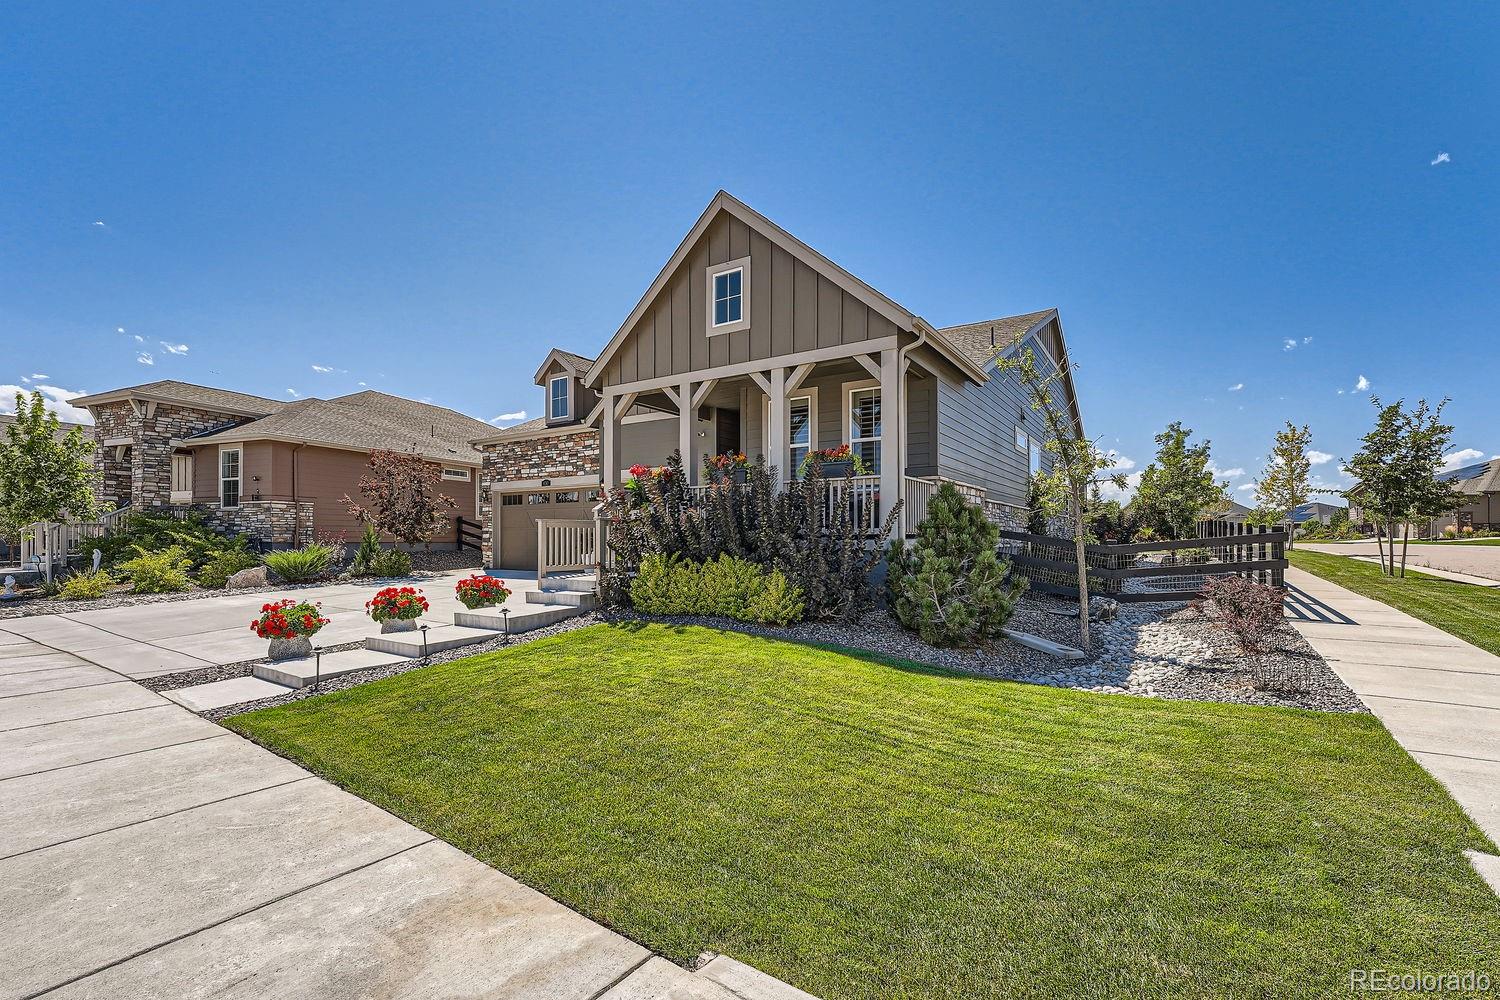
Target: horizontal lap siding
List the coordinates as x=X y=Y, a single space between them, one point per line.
x=792 y=308
x=976 y=433
x=921 y=409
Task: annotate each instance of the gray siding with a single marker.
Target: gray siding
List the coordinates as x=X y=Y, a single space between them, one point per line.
x=791 y=307
x=921 y=427
x=976 y=434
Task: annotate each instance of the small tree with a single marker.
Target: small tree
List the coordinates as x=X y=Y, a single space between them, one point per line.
x=403 y=496
x=1071 y=487
x=1286 y=482
x=1178 y=489
x=949 y=585
x=1379 y=488
x=1424 y=440
x=44 y=474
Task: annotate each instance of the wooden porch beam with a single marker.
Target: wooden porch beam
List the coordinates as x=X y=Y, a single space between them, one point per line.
x=762 y=381
x=870 y=366
x=702 y=392
x=798 y=376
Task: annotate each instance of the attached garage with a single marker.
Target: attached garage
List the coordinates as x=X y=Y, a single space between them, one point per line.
x=516 y=515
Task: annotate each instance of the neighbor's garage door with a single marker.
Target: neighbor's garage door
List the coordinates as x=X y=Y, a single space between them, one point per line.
x=519 y=513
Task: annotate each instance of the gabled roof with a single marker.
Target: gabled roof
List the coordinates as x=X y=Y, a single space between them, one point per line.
x=983 y=342
x=187 y=394
x=892 y=310
x=365 y=421
x=576 y=363
x=63 y=427
x=1483 y=477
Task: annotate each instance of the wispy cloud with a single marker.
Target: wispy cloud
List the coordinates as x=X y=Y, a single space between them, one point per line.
x=509 y=418
x=145 y=358
x=1109 y=491
x=55 y=399
x=1119 y=462
x=1245 y=487
x=1219 y=473
x=1288 y=344
x=321 y=369
x=294 y=393
x=1237 y=387
x=103 y=226
x=1362 y=384
x=1441 y=158
x=174 y=348
x=1318 y=457
x=1459 y=459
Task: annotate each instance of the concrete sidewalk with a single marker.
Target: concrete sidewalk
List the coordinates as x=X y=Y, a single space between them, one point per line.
x=145 y=852
x=1438 y=695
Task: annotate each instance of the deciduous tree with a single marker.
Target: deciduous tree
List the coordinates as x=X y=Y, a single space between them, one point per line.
x=1178 y=489
x=45 y=475
x=403 y=496
x=1286 y=482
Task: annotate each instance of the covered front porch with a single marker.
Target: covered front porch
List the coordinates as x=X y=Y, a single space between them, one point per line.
x=882 y=404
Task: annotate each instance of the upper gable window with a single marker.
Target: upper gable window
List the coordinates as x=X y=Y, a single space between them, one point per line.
x=728 y=296
x=557 y=397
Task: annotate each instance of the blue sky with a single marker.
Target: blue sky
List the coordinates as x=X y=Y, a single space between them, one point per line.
x=1243 y=215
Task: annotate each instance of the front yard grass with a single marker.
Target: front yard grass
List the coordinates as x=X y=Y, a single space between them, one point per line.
x=1463 y=609
x=868 y=828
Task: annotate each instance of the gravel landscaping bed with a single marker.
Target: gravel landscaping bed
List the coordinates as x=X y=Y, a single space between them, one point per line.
x=222 y=672
x=1150 y=650
x=391 y=670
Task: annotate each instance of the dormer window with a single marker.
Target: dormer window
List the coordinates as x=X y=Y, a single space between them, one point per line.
x=558 y=389
x=728 y=296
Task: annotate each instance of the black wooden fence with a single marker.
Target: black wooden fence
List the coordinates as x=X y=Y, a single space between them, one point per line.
x=1151 y=571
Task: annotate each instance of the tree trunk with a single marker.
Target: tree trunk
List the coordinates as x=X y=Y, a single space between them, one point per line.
x=1405 y=543
x=1379 y=548
x=1081 y=554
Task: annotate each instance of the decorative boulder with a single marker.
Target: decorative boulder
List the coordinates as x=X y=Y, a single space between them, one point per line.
x=249 y=579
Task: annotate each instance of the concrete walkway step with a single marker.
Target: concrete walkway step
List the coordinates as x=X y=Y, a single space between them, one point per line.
x=218 y=694
x=578 y=583
x=301 y=672
x=439 y=638
x=523 y=619
x=564 y=598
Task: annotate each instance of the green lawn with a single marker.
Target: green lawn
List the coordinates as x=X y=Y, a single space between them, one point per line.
x=871 y=829
x=1456 y=541
x=1470 y=612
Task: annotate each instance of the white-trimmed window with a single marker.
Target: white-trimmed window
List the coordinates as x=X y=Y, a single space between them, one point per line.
x=457 y=474
x=801 y=421
x=728 y=296
x=1023 y=440
x=864 y=426
x=229 y=477
x=1035 y=455
x=559 y=387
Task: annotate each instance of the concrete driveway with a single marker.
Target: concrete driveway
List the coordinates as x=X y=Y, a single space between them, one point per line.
x=145 y=852
x=1470 y=560
x=147 y=640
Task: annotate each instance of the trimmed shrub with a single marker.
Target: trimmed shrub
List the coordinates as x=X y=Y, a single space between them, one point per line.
x=950 y=586
x=222 y=565
x=733 y=588
x=86 y=585
x=391 y=562
x=162 y=572
x=150 y=532
x=300 y=565
x=1250 y=611
x=369 y=550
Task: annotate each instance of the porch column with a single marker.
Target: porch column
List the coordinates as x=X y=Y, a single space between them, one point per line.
x=609 y=443
x=776 y=438
x=685 y=427
x=891 y=404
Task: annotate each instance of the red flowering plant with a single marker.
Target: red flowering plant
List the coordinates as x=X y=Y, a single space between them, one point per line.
x=288 y=619
x=480 y=591
x=397 y=604
x=843 y=453
x=640 y=475
x=729 y=460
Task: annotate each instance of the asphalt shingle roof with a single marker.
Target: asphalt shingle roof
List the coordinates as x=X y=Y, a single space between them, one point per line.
x=368 y=420
x=194 y=395
x=973 y=339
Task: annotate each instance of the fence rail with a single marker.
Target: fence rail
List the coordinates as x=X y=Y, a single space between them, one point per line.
x=1150 y=571
x=467 y=534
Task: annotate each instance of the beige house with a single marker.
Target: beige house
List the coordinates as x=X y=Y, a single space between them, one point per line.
x=274 y=470
x=748 y=340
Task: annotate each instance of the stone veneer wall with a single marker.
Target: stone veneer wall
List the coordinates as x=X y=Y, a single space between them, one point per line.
x=277 y=523
x=554 y=457
x=149 y=458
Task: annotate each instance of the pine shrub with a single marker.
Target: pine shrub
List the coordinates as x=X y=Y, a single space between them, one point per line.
x=162 y=572
x=776 y=603
x=949 y=585
x=369 y=550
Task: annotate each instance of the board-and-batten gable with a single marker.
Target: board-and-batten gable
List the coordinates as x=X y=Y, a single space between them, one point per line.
x=791 y=307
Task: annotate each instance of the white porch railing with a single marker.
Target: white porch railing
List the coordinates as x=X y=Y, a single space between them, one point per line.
x=46 y=544
x=565 y=545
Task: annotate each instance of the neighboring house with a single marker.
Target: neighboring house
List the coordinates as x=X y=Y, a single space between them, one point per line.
x=6 y=419
x=275 y=470
x=1315 y=511
x=749 y=340
x=1480 y=485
